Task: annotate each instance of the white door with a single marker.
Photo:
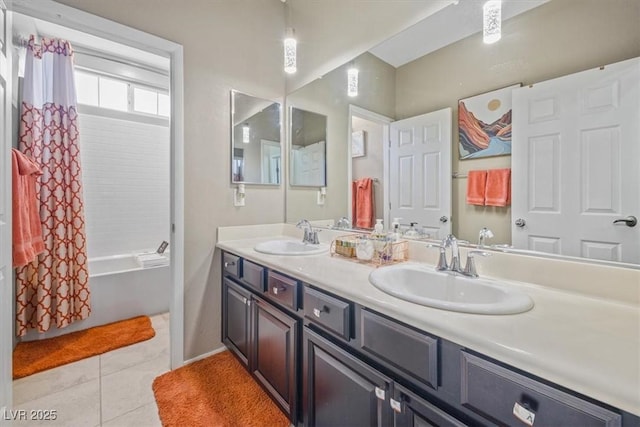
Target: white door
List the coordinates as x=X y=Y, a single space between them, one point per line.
x=309 y=167
x=6 y=281
x=576 y=153
x=420 y=171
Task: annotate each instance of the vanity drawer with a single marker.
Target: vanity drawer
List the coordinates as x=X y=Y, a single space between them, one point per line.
x=231 y=264
x=253 y=275
x=283 y=289
x=497 y=393
x=410 y=352
x=327 y=311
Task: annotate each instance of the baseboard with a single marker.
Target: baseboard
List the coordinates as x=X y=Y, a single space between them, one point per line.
x=205 y=355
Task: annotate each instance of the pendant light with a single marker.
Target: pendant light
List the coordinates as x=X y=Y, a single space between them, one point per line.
x=352 y=81
x=491 y=21
x=246 y=133
x=290 y=45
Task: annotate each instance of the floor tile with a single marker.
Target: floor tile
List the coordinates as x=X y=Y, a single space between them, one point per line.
x=55 y=380
x=130 y=388
x=146 y=416
x=135 y=354
x=160 y=321
x=75 y=406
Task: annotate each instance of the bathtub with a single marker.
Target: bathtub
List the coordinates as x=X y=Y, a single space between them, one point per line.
x=120 y=289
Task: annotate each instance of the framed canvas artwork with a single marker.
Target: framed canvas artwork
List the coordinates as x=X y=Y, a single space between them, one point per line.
x=358 y=143
x=484 y=124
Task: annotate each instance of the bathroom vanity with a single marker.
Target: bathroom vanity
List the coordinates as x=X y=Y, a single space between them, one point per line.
x=331 y=349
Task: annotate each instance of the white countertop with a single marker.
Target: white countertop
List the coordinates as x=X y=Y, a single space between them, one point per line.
x=588 y=344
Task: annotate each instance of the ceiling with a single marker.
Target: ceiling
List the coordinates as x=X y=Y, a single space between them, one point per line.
x=450 y=24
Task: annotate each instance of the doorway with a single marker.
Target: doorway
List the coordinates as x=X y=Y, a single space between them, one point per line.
x=50 y=11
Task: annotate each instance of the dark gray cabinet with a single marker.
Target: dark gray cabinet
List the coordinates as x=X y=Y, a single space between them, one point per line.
x=411 y=410
x=339 y=389
x=236 y=319
x=275 y=353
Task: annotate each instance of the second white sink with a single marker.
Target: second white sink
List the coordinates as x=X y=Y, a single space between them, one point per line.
x=423 y=285
x=290 y=247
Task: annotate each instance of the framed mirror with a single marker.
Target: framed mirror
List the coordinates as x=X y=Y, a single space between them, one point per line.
x=308 y=149
x=548 y=41
x=256 y=151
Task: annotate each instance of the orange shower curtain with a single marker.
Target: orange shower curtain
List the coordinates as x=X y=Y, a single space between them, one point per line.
x=53 y=289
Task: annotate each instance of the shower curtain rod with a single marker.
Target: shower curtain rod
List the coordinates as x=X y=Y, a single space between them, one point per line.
x=83 y=50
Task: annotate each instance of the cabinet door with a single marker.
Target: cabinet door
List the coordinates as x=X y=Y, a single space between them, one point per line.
x=340 y=390
x=236 y=319
x=275 y=335
x=410 y=410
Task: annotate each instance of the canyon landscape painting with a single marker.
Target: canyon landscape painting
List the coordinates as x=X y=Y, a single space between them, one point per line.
x=484 y=124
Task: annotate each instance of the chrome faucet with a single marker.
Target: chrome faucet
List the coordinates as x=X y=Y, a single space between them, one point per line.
x=454 y=266
x=310 y=235
x=343 y=223
x=484 y=234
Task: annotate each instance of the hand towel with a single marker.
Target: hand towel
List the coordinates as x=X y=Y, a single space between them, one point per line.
x=476 y=184
x=498 y=191
x=27 y=229
x=363 y=201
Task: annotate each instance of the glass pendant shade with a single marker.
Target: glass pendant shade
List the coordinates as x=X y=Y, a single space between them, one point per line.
x=491 y=21
x=352 y=81
x=290 y=45
x=246 y=133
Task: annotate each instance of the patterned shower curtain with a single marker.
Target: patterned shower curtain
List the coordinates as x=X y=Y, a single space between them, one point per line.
x=53 y=289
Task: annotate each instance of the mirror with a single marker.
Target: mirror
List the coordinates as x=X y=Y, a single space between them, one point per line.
x=308 y=136
x=255 y=140
x=551 y=40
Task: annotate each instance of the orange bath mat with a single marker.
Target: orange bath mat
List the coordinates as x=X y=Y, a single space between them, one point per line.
x=36 y=356
x=217 y=392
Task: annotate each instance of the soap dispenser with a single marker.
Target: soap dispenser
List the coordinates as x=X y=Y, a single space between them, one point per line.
x=395 y=229
x=378 y=229
x=412 y=233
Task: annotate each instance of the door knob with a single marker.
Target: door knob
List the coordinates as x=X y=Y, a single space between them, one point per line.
x=520 y=222
x=629 y=221
x=444 y=219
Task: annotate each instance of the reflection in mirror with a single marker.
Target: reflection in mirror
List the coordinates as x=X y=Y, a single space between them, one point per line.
x=255 y=140
x=308 y=136
x=551 y=40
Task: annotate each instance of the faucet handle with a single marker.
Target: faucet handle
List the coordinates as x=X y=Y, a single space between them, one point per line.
x=313 y=237
x=470 y=266
x=442 y=259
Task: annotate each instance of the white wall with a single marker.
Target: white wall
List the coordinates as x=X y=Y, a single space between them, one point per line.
x=125 y=176
x=228 y=44
x=371 y=165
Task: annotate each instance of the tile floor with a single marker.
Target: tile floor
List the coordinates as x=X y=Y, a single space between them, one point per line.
x=113 y=389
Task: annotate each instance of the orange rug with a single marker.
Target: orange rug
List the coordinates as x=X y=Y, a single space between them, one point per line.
x=214 y=392
x=36 y=356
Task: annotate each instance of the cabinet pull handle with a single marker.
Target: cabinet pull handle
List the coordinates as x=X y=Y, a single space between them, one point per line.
x=276 y=290
x=396 y=405
x=380 y=393
x=318 y=311
x=523 y=414
x=229 y=263
x=245 y=301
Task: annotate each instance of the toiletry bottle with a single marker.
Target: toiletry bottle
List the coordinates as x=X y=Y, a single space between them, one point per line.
x=379 y=238
x=395 y=229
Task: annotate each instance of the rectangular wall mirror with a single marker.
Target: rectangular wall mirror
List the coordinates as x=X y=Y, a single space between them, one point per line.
x=308 y=136
x=256 y=153
x=398 y=83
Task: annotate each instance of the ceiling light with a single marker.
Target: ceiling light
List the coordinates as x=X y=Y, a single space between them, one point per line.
x=246 y=133
x=491 y=21
x=352 y=81
x=290 y=52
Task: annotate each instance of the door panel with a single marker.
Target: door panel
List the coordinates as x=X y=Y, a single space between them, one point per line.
x=236 y=319
x=6 y=281
x=340 y=390
x=420 y=171
x=275 y=334
x=576 y=149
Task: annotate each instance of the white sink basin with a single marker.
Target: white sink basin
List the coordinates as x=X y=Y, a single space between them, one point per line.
x=290 y=247
x=423 y=285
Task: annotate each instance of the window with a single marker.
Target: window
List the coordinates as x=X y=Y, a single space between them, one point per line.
x=117 y=94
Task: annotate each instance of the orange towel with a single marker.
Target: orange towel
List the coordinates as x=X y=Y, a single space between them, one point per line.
x=498 y=192
x=362 y=200
x=476 y=184
x=27 y=229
